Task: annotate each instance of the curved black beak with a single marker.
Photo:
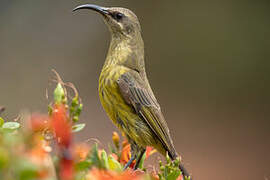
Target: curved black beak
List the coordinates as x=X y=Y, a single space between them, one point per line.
x=93 y=7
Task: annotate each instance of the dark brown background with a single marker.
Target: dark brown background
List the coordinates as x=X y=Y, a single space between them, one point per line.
x=207 y=61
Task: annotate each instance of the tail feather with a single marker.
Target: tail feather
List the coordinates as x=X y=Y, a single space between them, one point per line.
x=173 y=156
x=184 y=171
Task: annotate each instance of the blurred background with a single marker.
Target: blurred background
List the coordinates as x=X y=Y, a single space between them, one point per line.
x=207 y=61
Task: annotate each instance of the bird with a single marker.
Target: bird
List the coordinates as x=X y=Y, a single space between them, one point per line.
x=124 y=90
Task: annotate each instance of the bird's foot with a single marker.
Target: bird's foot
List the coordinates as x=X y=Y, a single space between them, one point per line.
x=129 y=162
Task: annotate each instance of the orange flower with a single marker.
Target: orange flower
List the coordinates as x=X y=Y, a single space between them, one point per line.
x=81 y=151
x=126 y=153
x=115 y=156
x=150 y=151
x=61 y=126
x=124 y=143
x=180 y=177
x=66 y=168
x=96 y=174
x=154 y=176
x=40 y=149
x=62 y=129
x=39 y=155
x=39 y=122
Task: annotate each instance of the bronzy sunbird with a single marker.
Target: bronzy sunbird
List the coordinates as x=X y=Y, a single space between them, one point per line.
x=124 y=90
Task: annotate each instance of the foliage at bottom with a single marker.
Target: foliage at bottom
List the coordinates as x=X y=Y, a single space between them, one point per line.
x=41 y=147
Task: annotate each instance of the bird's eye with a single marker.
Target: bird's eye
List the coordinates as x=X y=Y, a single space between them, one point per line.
x=118 y=16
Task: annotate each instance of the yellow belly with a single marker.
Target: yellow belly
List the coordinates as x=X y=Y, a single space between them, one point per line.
x=121 y=113
x=109 y=93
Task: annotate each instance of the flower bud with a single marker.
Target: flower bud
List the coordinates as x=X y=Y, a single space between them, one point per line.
x=116 y=138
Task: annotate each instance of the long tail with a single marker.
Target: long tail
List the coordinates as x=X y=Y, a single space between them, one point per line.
x=184 y=171
x=181 y=166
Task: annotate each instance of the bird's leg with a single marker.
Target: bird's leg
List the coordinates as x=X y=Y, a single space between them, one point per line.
x=129 y=162
x=139 y=158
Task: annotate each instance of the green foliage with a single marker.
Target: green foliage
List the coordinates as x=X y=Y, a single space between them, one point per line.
x=23 y=156
x=75 y=109
x=4 y=157
x=83 y=165
x=1 y=122
x=94 y=158
x=99 y=160
x=26 y=170
x=169 y=171
x=11 y=126
x=78 y=127
x=104 y=159
x=114 y=164
x=14 y=164
x=59 y=94
x=142 y=161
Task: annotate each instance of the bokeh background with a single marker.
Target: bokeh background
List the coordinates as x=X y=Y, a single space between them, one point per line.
x=207 y=61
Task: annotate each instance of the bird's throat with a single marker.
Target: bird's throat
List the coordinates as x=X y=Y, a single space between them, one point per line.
x=126 y=51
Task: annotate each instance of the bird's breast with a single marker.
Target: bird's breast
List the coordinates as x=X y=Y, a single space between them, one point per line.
x=120 y=112
x=109 y=94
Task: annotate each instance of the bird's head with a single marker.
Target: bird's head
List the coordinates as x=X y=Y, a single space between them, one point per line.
x=121 y=21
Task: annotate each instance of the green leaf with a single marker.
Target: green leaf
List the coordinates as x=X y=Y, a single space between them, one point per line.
x=104 y=159
x=11 y=126
x=1 y=122
x=78 y=127
x=114 y=165
x=83 y=165
x=169 y=171
x=140 y=166
x=112 y=150
x=93 y=157
x=4 y=157
x=173 y=175
x=26 y=170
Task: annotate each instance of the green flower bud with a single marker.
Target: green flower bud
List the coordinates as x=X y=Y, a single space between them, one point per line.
x=59 y=93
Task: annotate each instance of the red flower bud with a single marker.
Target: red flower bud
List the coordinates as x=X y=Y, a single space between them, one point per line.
x=61 y=126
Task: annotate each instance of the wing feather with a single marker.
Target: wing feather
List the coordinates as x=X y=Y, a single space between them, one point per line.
x=139 y=95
